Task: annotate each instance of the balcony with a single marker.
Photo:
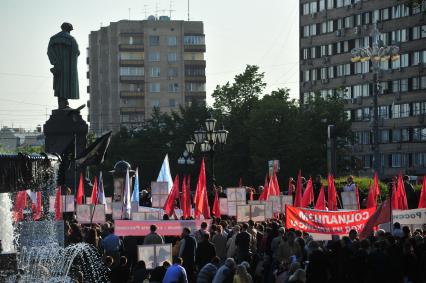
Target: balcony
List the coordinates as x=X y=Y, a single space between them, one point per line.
x=132 y=109
x=131 y=47
x=200 y=79
x=195 y=94
x=131 y=79
x=131 y=63
x=195 y=63
x=130 y=94
x=195 y=48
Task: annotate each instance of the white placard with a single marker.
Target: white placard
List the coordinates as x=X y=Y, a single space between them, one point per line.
x=138 y=216
x=159 y=188
x=349 y=200
x=269 y=212
x=243 y=213
x=223 y=205
x=232 y=207
x=236 y=194
x=276 y=203
x=257 y=212
x=67 y=203
x=410 y=216
x=117 y=210
x=155 y=255
x=108 y=209
x=256 y=202
x=286 y=200
x=90 y=214
x=89 y=200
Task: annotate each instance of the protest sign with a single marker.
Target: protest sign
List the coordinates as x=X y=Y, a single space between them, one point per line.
x=286 y=200
x=223 y=205
x=41 y=233
x=257 y=212
x=155 y=255
x=117 y=210
x=159 y=193
x=410 y=216
x=275 y=201
x=349 y=200
x=236 y=194
x=146 y=215
x=269 y=211
x=243 y=213
x=232 y=207
x=326 y=222
x=108 y=209
x=67 y=203
x=164 y=227
x=88 y=213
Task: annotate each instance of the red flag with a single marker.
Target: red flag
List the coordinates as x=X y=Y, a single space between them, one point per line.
x=371 y=200
x=376 y=185
x=422 y=200
x=58 y=204
x=320 y=205
x=200 y=199
x=276 y=184
x=332 y=194
x=299 y=188
x=382 y=215
x=37 y=207
x=184 y=199
x=216 y=206
x=290 y=187
x=399 y=199
x=251 y=194
x=264 y=195
x=308 y=194
x=20 y=205
x=80 y=190
x=94 y=196
x=240 y=183
x=357 y=196
x=169 y=206
x=271 y=187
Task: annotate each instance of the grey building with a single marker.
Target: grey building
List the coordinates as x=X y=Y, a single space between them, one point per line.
x=329 y=30
x=136 y=66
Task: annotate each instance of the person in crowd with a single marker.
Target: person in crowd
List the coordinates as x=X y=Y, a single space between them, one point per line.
x=205 y=252
x=176 y=273
x=241 y=275
x=153 y=238
x=412 y=200
x=317 y=184
x=350 y=185
x=187 y=251
x=353 y=235
x=253 y=232
x=139 y=272
x=276 y=242
x=112 y=245
x=397 y=231
x=206 y=274
x=242 y=242
x=157 y=275
x=122 y=272
x=92 y=237
x=219 y=241
x=199 y=233
x=289 y=250
x=76 y=236
x=231 y=248
x=225 y=273
x=109 y=262
x=145 y=199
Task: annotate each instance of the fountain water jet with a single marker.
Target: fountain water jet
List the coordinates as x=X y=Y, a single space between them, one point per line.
x=6 y=226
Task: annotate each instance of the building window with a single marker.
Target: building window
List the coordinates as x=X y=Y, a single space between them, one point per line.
x=384 y=112
x=131 y=55
x=172 y=72
x=172 y=103
x=305 y=53
x=330 y=4
x=194 y=72
x=405 y=135
x=396 y=135
x=419 y=134
x=154 y=40
x=313 y=29
x=131 y=71
x=314 y=74
x=172 y=41
x=399 y=35
x=384 y=136
x=193 y=40
x=155 y=72
x=321 y=5
x=331 y=72
x=305 y=31
x=306 y=76
x=155 y=103
x=324 y=73
x=173 y=87
x=154 y=87
x=396 y=160
x=154 y=56
x=367 y=161
x=193 y=56
x=405 y=110
x=419 y=159
x=419 y=108
x=305 y=9
x=384 y=14
x=349 y=22
x=195 y=87
x=172 y=57
x=313 y=7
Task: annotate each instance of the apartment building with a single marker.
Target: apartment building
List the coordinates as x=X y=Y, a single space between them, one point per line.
x=136 y=66
x=329 y=30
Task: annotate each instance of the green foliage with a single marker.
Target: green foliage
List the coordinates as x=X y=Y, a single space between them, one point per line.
x=363 y=184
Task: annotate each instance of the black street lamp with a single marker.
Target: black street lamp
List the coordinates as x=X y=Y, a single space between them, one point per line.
x=207 y=139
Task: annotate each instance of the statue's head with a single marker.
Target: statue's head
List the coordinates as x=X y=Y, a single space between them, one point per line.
x=66 y=27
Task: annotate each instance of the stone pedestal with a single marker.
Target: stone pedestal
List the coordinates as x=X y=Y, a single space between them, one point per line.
x=8 y=265
x=65 y=134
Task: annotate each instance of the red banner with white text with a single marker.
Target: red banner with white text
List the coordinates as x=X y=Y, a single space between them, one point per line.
x=326 y=222
x=164 y=227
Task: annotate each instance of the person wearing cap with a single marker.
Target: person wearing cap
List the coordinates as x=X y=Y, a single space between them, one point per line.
x=63 y=53
x=153 y=238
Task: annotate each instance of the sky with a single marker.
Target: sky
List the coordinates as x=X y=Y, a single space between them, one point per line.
x=238 y=32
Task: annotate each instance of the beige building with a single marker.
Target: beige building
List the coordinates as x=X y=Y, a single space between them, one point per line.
x=136 y=66
x=329 y=30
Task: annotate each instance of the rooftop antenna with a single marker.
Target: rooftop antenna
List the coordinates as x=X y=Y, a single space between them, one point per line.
x=156 y=9
x=188 y=10
x=145 y=10
x=171 y=8
x=129 y=13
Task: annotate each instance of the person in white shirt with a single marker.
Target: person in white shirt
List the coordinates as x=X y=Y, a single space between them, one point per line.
x=350 y=186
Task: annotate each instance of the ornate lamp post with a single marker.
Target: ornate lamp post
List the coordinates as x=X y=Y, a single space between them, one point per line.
x=186 y=159
x=207 y=139
x=376 y=54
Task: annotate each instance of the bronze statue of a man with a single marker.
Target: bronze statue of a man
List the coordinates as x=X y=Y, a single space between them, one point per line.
x=63 y=52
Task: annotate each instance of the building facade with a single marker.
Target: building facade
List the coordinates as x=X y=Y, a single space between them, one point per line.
x=329 y=30
x=136 y=66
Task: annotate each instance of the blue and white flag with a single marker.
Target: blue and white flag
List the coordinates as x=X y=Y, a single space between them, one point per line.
x=127 y=206
x=101 y=193
x=164 y=175
x=135 y=194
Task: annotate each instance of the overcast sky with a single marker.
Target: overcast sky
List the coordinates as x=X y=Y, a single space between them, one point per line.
x=238 y=32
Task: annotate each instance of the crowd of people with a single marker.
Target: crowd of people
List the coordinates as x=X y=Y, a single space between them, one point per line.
x=265 y=252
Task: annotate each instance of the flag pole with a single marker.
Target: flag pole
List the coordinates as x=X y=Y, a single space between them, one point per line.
x=75 y=163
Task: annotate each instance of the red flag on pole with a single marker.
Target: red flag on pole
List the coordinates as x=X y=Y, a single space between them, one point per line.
x=320 y=205
x=422 y=200
x=376 y=185
x=276 y=184
x=308 y=194
x=37 y=207
x=271 y=187
x=200 y=199
x=251 y=194
x=299 y=189
x=382 y=215
x=240 y=183
x=169 y=206
x=216 y=206
x=371 y=200
x=290 y=187
x=357 y=196
x=332 y=194
x=184 y=199
x=94 y=196
x=20 y=205
x=264 y=195
x=399 y=199
x=80 y=190
x=58 y=204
